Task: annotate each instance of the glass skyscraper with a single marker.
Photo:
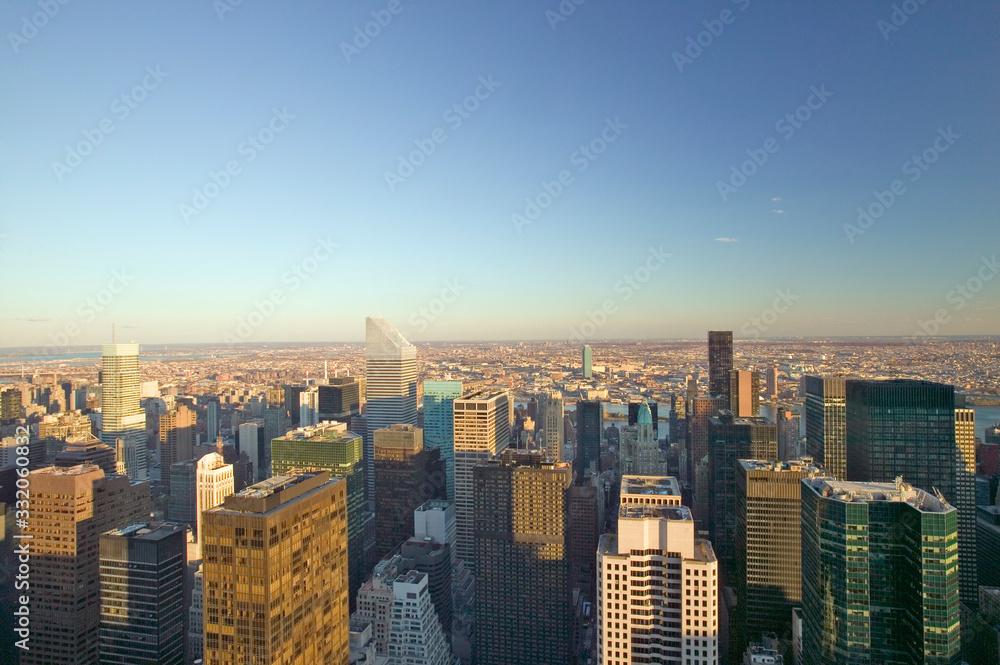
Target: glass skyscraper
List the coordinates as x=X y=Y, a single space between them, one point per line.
x=879 y=575
x=439 y=423
x=122 y=416
x=720 y=362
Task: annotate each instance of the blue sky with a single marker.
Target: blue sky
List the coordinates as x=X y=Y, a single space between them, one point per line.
x=228 y=272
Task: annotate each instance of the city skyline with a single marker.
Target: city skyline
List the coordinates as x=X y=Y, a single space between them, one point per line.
x=137 y=169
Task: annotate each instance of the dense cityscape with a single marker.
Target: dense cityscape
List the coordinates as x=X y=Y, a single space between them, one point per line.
x=504 y=502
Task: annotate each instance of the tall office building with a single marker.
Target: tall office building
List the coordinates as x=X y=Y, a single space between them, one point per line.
x=330 y=447
x=720 y=362
x=826 y=422
x=587 y=364
x=122 y=416
x=70 y=509
x=522 y=561
x=88 y=450
x=585 y=524
x=142 y=595
x=703 y=408
x=375 y=600
x=771 y=381
x=744 y=393
x=879 y=574
x=482 y=430
x=182 y=502
x=291 y=402
x=415 y=634
x=10 y=405
x=214 y=481
x=289 y=605
x=589 y=428
x=213 y=412
x=768 y=578
x=910 y=428
x=554 y=435
x=177 y=439
x=733 y=439
x=340 y=400
x=309 y=407
x=406 y=475
x=788 y=421
x=439 y=423
x=645 y=570
x=390 y=386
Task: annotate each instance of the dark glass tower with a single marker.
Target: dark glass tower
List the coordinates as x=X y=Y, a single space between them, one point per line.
x=523 y=603
x=720 y=362
x=908 y=428
x=879 y=575
x=589 y=425
x=826 y=422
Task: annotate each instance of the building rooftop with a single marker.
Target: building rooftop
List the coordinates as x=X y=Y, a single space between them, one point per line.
x=434 y=504
x=328 y=430
x=805 y=464
x=78 y=470
x=147 y=530
x=638 y=511
x=857 y=492
x=647 y=485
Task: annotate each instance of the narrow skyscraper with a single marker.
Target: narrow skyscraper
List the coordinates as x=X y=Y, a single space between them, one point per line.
x=744 y=393
x=555 y=431
x=588 y=371
x=482 y=430
x=439 y=423
x=122 y=416
x=720 y=362
x=390 y=386
x=826 y=423
x=589 y=429
x=177 y=439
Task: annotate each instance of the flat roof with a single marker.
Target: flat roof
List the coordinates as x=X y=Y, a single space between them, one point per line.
x=858 y=492
x=650 y=485
x=642 y=511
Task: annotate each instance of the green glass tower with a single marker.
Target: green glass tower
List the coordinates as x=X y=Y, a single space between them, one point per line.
x=330 y=447
x=439 y=423
x=879 y=575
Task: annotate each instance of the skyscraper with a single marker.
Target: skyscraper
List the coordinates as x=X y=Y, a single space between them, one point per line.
x=482 y=430
x=589 y=428
x=826 y=423
x=879 y=574
x=70 y=509
x=330 y=447
x=588 y=371
x=177 y=438
x=439 y=423
x=909 y=428
x=122 y=416
x=639 y=450
x=309 y=407
x=703 y=408
x=415 y=634
x=555 y=431
x=771 y=381
x=214 y=481
x=213 y=411
x=720 y=362
x=522 y=561
x=390 y=386
x=142 y=595
x=340 y=400
x=654 y=410
x=744 y=393
x=290 y=605
x=733 y=439
x=645 y=570
x=768 y=578
x=585 y=523
x=406 y=475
